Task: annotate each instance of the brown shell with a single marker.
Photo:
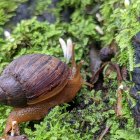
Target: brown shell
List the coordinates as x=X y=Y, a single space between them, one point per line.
x=40 y=77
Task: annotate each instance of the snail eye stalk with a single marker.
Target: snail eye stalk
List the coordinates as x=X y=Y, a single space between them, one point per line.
x=68 y=50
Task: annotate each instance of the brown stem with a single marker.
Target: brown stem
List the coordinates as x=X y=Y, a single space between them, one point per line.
x=119 y=90
x=119 y=101
x=117 y=68
x=104 y=132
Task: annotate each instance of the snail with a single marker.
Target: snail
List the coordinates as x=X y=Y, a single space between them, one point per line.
x=34 y=83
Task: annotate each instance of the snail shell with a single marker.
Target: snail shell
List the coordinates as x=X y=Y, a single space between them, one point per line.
x=30 y=77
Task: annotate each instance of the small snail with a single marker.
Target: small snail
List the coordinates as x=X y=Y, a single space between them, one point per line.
x=34 y=83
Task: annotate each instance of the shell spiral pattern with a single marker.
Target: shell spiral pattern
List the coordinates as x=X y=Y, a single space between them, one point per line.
x=31 y=76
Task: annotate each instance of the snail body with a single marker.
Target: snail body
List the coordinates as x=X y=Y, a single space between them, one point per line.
x=34 y=83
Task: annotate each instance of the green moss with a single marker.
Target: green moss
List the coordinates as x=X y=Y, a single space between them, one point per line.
x=7 y=11
x=121 y=23
x=87 y=120
x=4 y=112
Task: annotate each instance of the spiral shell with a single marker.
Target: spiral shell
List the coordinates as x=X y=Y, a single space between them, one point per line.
x=33 y=77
